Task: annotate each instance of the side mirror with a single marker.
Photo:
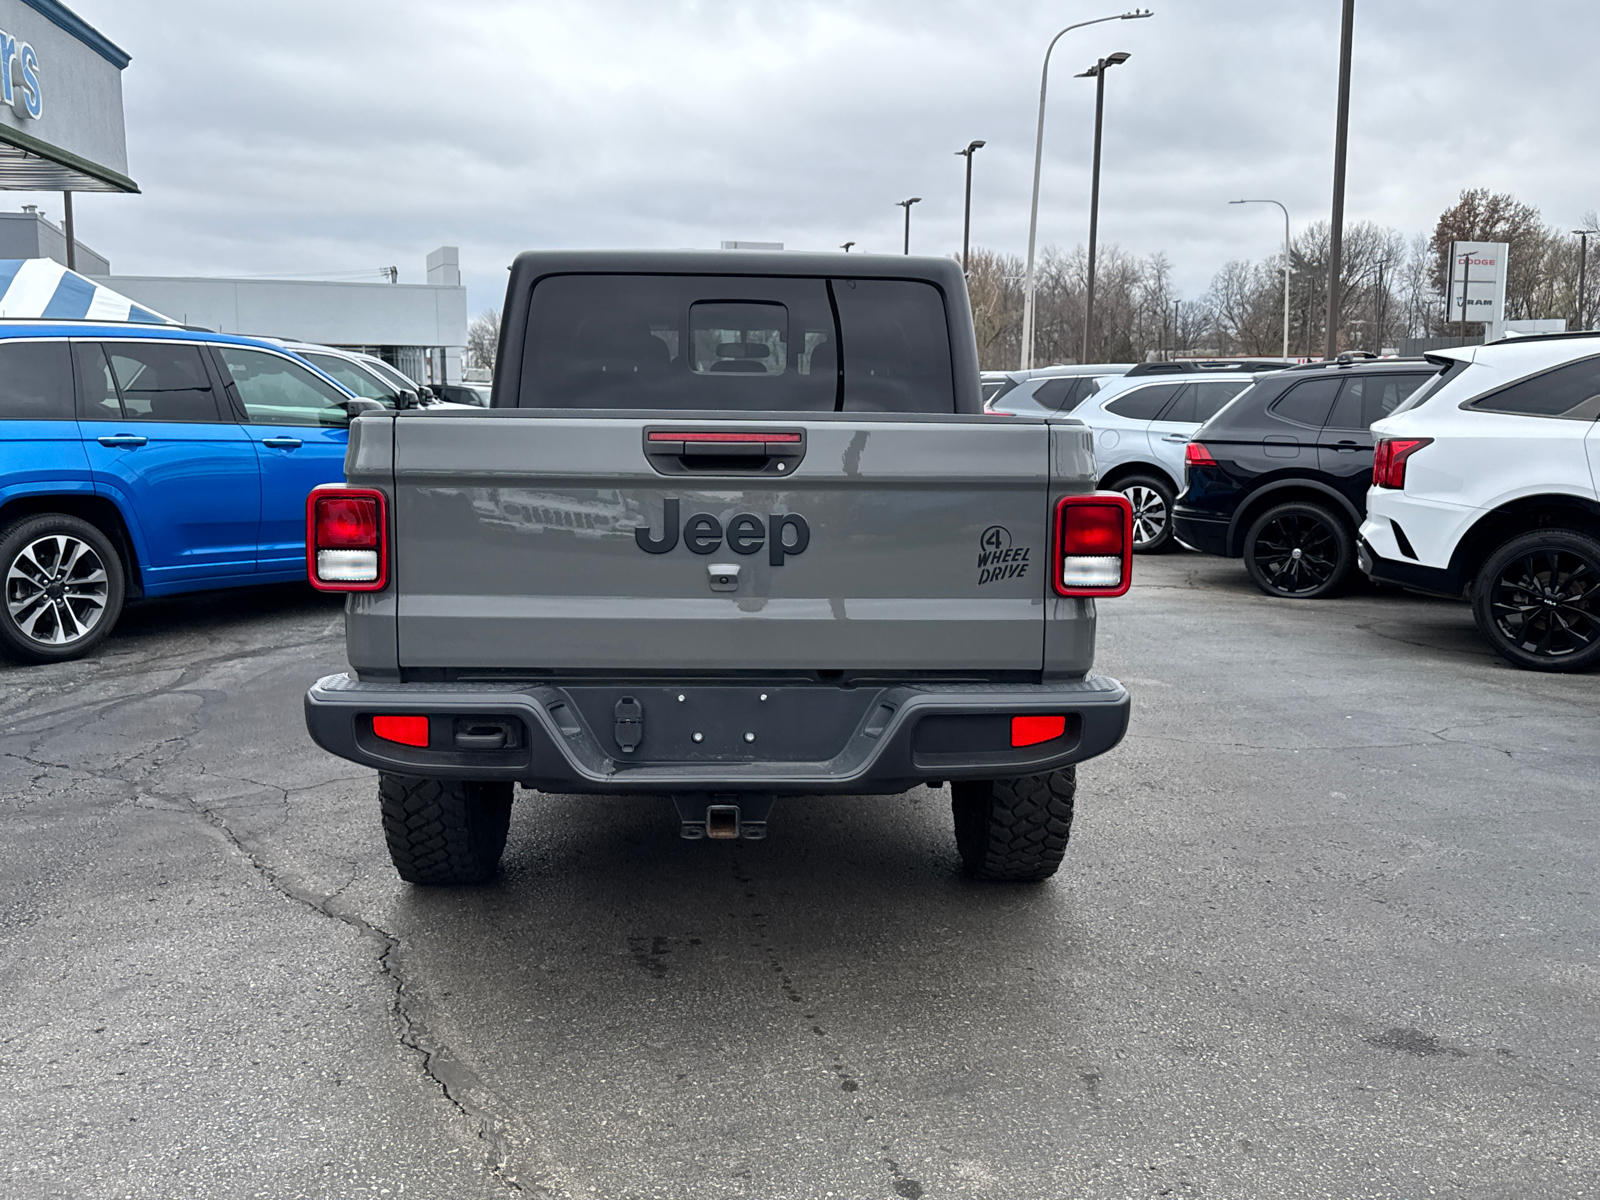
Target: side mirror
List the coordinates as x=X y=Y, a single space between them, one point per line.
x=356 y=406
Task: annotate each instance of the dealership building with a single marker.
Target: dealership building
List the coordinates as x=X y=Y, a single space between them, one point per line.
x=62 y=130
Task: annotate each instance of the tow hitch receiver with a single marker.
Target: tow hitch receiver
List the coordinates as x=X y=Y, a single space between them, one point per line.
x=722 y=815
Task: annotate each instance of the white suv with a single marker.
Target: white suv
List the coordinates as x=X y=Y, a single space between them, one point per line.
x=1485 y=485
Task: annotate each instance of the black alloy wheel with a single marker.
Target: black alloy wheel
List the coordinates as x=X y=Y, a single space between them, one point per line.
x=1152 y=501
x=1537 y=600
x=1299 y=551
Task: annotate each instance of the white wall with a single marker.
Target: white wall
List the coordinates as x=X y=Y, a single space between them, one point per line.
x=340 y=314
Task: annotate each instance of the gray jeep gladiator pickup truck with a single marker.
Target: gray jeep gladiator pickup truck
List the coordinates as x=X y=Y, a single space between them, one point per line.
x=734 y=527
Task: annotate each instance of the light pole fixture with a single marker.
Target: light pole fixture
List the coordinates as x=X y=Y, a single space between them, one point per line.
x=966 y=218
x=1038 y=160
x=1341 y=140
x=846 y=247
x=906 y=204
x=1279 y=203
x=1098 y=74
x=1583 y=264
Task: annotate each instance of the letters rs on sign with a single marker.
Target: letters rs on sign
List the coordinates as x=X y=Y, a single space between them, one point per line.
x=19 y=77
x=998 y=559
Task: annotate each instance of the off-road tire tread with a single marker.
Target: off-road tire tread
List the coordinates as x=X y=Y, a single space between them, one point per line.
x=1014 y=830
x=444 y=832
x=1483 y=584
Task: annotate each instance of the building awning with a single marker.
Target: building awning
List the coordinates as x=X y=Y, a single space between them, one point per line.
x=29 y=165
x=43 y=288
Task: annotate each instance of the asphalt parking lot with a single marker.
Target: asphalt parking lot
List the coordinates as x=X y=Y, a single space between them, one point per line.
x=1327 y=927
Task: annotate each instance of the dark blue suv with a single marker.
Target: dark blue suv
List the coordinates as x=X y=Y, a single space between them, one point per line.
x=147 y=461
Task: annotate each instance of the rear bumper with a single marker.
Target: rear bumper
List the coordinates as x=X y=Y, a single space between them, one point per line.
x=785 y=740
x=1435 y=581
x=1206 y=534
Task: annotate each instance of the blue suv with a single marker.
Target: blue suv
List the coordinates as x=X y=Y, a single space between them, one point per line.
x=140 y=460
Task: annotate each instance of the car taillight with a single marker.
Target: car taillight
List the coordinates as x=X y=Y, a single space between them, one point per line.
x=346 y=539
x=1196 y=455
x=1030 y=731
x=1093 y=545
x=408 y=731
x=1389 y=460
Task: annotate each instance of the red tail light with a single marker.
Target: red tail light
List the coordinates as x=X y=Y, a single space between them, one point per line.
x=1196 y=455
x=346 y=539
x=1389 y=460
x=408 y=731
x=1030 y=731
x=1093 y=545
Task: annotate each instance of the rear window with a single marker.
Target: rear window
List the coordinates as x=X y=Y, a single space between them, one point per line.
x=1570 y=391
x=1369 y=398
x=35 y=381
x=1307 y=403
x=1142 y=404
x=1082 y=392
x=1053 y=393
x=736 y=343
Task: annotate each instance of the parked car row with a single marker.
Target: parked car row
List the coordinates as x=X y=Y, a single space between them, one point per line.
x=151 y=460
x=1473 y=473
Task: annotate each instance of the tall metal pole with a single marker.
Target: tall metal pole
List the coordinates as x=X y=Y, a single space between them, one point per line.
x=1038 y=160
x=1094 y=205
x=966 y=218
x=906 y=204
x=72 y=238
x=1341 y=140
x=1280 y=204
x=1466 y=271
x=1583 y=269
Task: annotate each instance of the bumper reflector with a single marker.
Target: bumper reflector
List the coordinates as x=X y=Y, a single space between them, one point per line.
x=1030 y=731
x=408 y=731
x=347 y=566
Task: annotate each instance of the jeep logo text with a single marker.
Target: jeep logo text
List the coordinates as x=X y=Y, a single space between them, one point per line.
x=782 y=533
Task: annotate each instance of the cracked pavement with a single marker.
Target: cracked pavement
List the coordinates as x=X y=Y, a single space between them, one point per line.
x=1327 y=927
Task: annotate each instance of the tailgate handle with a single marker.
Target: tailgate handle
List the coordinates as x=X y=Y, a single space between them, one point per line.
x=724 y=451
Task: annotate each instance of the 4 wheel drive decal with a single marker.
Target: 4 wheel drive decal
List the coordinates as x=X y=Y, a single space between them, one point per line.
x=745 y=534
x=998 y=559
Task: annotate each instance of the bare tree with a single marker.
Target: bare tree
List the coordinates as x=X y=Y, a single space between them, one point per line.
x=483 y=339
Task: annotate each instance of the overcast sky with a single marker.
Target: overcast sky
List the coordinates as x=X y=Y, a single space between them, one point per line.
x=336 y=136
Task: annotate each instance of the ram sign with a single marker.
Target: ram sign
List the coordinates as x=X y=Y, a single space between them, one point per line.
x=1478 y=283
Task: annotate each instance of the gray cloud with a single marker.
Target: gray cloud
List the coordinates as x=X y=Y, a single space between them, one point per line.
x=303 y=137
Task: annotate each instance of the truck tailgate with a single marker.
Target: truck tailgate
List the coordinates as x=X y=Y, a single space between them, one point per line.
x=909 y=543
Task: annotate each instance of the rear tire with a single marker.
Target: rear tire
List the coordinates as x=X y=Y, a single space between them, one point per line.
x=1152 y=500
x=1014 y=830
x=444 y=832
x=1299 y=551
x=63 y=588
x=1537 y=600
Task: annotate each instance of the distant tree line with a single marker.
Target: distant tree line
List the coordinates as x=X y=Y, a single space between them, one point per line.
x=1390 y=287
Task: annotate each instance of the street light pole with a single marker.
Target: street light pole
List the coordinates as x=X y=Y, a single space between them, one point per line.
x=1341 y=139
x=966 y=219
x=1098 y=74
x=906 y=204
x=1038 y=160
x=1280 y=204
x=1583 y=268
